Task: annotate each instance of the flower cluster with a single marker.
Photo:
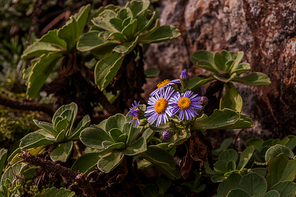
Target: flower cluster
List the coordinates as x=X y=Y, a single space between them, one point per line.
x=165 y=102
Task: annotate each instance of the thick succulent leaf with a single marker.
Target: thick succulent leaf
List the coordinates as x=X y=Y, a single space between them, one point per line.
x=106 y=69
x=52 y=37
x=127 y=131
x=81 y=18
x=123 y=138
x=221 y=59
x=241 y=68
x=130 y=29
x=135 y=132
x=48 y=127
x=195 y=83
x=231 y=98
x=242 y=122
x=229 y=65
x=272 y=193
x=238 y=59
x=237 y=192
x=117 y=23
x=276 y=150
x=221 y=166
x=285 y=188
x=256 y=142
x=126 y=22
x=124 y=13
x=61 y=124
x=94 y=40
x=40 y=72
x=115 y=133
x=101 y=9
x=35 y=139
x=292 y=142
x=225 y=78
x=111 y=145
x=69 y=33
x=280 y=169
x=27 y=72
x=3 y=155
x=126 y=47
x=86 y=163
x=110 y=161
x=253 y=184
x=245 y=157
x=228 y=155
x=148 y=134
x=116 y=121
x=38 y=49
x=56 y=192
x=11 y=172
x=136 y=148
x=84 y=123
x=61 y=137
x=93 y=137
x=220 y=118
x=68 y=111
x=138 y=6
x=161 y=34
x=117 y=36
x=62 y=152
x=225 y=144
x=228 y=184
x=145 y=19
x=151 y=72
x=253 y=79
x=205 y=58
x=103 y=19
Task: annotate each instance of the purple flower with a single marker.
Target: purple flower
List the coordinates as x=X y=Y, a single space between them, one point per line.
x=166 y=135
x=159 y=108
x=184 y=75
x=134 y=111
x=186 y=104
x=164 y=84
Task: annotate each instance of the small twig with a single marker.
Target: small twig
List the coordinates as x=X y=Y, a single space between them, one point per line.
x=56 y=168
x=25 y=105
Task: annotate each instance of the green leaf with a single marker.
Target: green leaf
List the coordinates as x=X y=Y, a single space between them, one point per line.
x=285 y=188
x=117 y=23
x=62 y=124
x=245 y=157
x=101 y=9
x=253 y=184
x=205 y=58
x=150 y=190
x=61 y=137
x=126 y=47
x=103 y=19
x=242 y=122
x=3 y=155
x=228 y=155
x=151 y=72
x=237 y=192
x=136 y=148
x=117 y=36
x=272 y=193
x=69 y=33
x=284 y=141
x=94 y=40
x=276 y=150
x=163 y=184
x=221 y=166
x=280 y=169
x=231 y=98
x=62 y=152
x=81 y=18
x=195 y=83
x=224 y=78
x=110 y=161
x=145 y=19
x=127 y=131
x=86 y=163
x=259 y=171
x=161 y=34
x=241 y=68
x=225 y=144
x=48 y=127
x=11 y=172
x=93 y=137
x=253 y=79
x=52 y=37
x=116 y=121
x=84 y=123
x=228 y=184
x=40 y=72
x=56 y=192
x=148 y=134
x=138 y=6
x=220 y=118
x=257 y=142
x=292 y=142
x=35 y=139
x=115 y=133
x=106 y=69
x=237 y=60
x=221 y=59
x=68 y=111
x=130 y=29
x=38 y=49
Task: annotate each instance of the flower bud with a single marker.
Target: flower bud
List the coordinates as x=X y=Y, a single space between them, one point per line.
x=166 y=135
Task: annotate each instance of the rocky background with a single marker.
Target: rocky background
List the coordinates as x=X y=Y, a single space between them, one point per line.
x=265 y=30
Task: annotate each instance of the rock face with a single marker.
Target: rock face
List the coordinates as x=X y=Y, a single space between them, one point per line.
x=264 y=29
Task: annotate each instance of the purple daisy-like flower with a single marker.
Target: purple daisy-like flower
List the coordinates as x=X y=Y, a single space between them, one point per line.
x=186 y=103
x=184 y=75
x=159 y=108
x=134 y=111
x=163 y=84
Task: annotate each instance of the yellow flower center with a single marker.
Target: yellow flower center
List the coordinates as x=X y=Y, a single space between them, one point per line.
x=184 y=103
x=160 y=105
x=163 y=83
